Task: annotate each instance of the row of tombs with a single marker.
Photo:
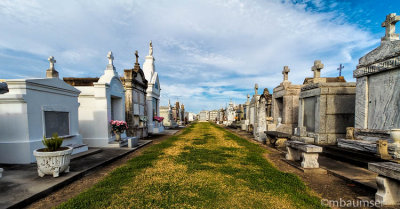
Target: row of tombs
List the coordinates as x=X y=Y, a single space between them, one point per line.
x=356 y=122
x=78 y=109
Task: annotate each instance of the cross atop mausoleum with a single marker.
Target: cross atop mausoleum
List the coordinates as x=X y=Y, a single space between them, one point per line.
x=52 y=61
x=317 y=68
x=51 y=72
x=137 y=56
x=110 y=57
x=340 y=68
x=256 y=89
x=390 y=25
x=248 y=97
x=285 y=73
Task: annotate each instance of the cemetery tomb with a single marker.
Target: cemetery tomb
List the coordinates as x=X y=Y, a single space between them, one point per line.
x=135 y=86
x=377 y=110
x=101 y=100
x=285 y=104
x=35 y=108
x=153 y=93
x=326 y=108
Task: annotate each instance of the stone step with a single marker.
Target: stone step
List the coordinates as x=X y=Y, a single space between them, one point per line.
x=357 y=158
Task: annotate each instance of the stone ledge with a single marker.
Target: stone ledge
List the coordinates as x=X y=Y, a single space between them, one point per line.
x=387 y=169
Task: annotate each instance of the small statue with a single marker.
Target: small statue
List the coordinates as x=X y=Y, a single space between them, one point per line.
x=151 y=49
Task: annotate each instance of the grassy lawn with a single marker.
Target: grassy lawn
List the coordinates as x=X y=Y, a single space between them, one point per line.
x=204 y=167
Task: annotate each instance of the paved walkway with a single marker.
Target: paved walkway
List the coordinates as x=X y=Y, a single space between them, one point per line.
x=21 y=185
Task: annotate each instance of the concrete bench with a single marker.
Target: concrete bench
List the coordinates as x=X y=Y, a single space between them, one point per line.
x=388 y=182
x=307 y=152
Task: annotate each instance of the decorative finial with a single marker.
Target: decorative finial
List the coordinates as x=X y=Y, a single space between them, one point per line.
x=248 y=97
x=390 y=25
x=151 y=48
x=317 y=68
x=285 y=73
x=256 y=89
x=110 y=57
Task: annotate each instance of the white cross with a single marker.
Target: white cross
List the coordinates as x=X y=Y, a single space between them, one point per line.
x=285 y=73
x=110 y=58
x=390 y=25
x=52 y=61
x=317 y=68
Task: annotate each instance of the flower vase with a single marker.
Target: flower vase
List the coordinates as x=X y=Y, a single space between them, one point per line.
x=117 y=136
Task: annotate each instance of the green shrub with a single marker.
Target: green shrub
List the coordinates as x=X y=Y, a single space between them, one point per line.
x=53 y=143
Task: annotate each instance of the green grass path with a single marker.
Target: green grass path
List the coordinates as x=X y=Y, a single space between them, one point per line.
x=204 y=167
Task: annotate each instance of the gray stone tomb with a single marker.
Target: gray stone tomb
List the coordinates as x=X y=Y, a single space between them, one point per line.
x=326 y=108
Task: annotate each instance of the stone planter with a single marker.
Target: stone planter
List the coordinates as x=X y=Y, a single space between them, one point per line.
x=395 y=135
x=53 y=163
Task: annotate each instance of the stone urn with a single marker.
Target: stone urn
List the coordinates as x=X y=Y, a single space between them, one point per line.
x=395 y=135
x=53 y=163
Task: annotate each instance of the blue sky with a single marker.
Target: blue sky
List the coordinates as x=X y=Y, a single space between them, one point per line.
x=206 y=51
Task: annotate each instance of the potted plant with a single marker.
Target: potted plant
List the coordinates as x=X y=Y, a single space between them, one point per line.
x=53 y=159
x=118 y=127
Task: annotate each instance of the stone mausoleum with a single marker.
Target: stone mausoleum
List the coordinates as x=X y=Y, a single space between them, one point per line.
x=135 y=86
x=285 y=104
x=326 y=108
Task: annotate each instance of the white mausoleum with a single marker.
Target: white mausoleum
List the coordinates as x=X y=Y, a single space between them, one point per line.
x=101 y=100
x=153 y=94
x=34 y=108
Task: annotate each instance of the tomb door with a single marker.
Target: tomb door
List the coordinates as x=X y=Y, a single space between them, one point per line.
x=309 y=113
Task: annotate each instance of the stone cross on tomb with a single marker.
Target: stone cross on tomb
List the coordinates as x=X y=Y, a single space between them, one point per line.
x=317 y=68
x=51 y=72
x=340 y=68
x=52 y=61
x=256 y=89
x=110 y=58
x=248 y=97
x=390 y=25
x=285 y=73
x=137 y=56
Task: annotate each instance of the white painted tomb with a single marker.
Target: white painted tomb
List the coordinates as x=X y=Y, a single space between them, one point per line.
x=37 y=107
x=153 y=93
x=101 y=100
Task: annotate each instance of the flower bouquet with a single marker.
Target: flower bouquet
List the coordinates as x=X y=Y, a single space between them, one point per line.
x=118 y=127
x=159 y=119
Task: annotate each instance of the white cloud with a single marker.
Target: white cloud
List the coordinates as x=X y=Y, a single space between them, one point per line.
x=206 y=51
